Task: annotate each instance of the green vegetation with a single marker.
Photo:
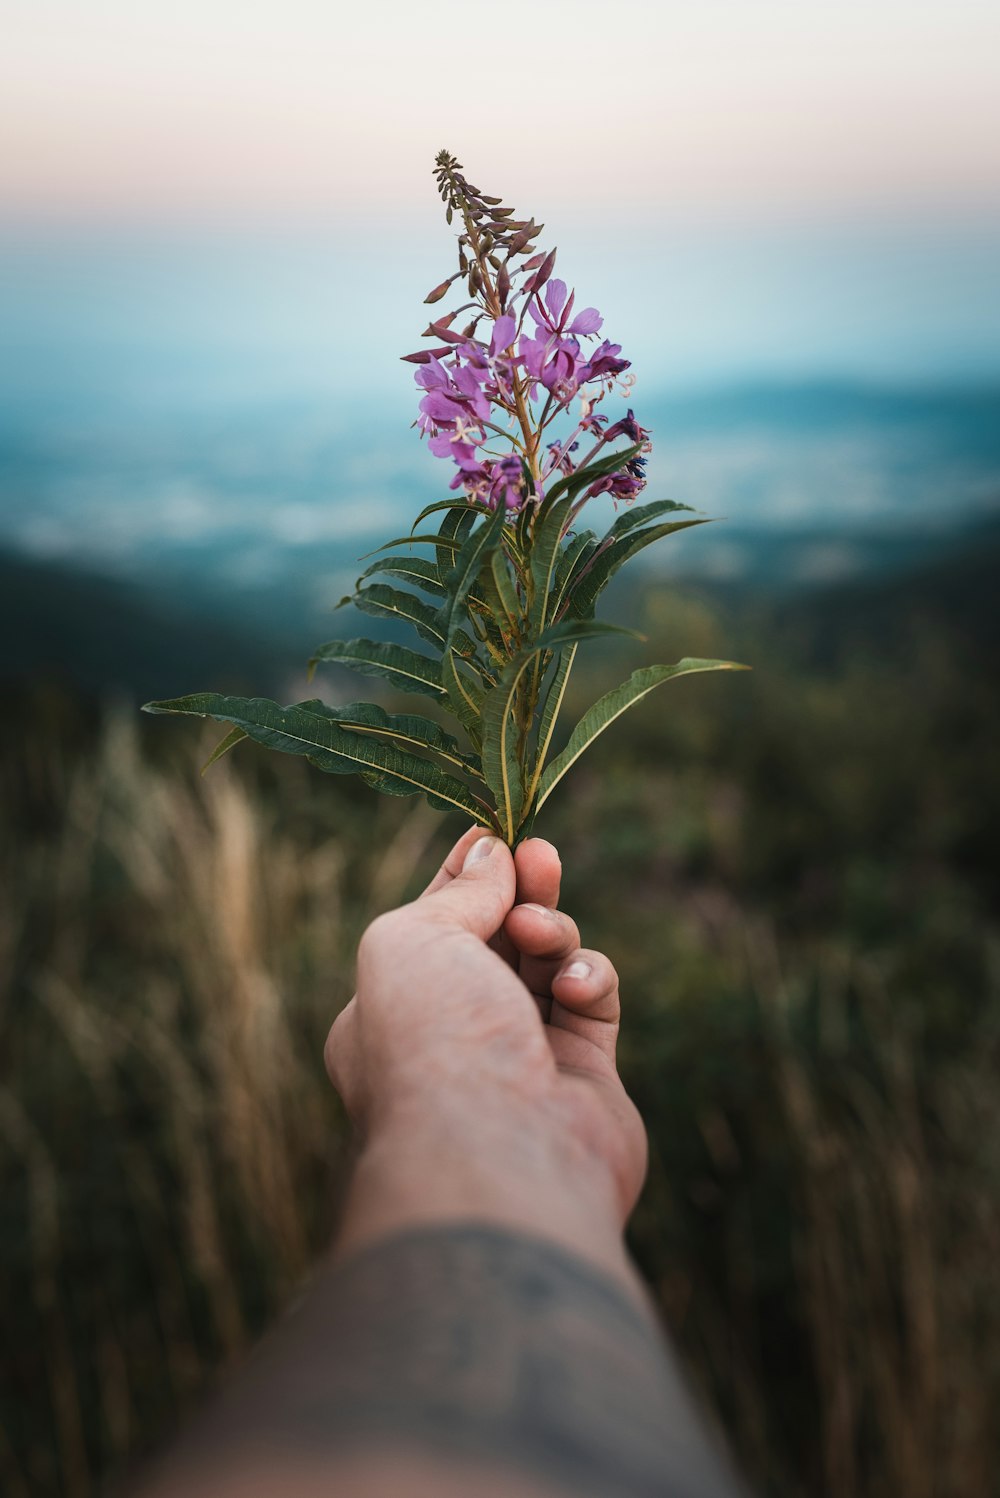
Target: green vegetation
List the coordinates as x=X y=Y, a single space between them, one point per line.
x=795 y=872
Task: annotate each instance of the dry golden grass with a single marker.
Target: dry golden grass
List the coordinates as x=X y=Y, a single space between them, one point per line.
x=822 y=1216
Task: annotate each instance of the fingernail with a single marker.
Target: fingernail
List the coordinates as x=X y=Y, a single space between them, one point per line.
x=538 y=909
x=481 y=848
x=576 y=969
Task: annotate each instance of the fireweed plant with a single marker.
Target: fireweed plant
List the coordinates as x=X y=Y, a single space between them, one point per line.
x=507 y=585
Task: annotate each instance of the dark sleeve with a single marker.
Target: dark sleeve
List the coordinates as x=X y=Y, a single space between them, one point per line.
x=481 y=1345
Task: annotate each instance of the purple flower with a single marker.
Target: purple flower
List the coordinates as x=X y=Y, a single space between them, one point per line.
x=507 y=486
x=453 y=394
x=628 y=427
x=504 y=333
x=554 y=362
x=472 y=386
x=552 y=314
x=604 y=362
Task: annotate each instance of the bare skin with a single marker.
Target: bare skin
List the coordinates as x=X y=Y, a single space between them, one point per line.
x=479 y=1328
x=483 y=1035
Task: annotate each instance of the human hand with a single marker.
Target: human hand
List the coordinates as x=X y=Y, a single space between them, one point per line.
x=478 y=1055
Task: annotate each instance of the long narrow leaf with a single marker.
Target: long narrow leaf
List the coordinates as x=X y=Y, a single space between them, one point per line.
x=551 y=706
x=582 y=478
x=385 y=602
x=233 y=737
x=474 y=553
x=414 y=570
x=501 y=762
x=631 y=519
x=544 y=559
x=452 y=504
x=611 y=706
x=464 y=697
x=506 y=592
x=322 y=739
x=427 y=540
x=407 y=670
x=594 y=577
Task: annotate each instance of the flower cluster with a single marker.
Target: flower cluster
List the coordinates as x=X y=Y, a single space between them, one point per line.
x=486 y=401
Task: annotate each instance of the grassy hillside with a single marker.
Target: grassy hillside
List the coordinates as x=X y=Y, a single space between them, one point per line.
x=794 y=871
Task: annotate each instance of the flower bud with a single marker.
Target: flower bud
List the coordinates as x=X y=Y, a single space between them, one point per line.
x=543 y=273
x=439 y=291
x=521 y=241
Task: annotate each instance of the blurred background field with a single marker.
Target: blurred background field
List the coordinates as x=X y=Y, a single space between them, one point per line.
x=216 y=227
x=796 y=875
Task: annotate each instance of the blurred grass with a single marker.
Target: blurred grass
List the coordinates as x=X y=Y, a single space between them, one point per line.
x=795 y=873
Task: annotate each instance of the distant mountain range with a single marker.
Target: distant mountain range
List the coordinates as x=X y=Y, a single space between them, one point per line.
x=103 y=636
x=251 y=521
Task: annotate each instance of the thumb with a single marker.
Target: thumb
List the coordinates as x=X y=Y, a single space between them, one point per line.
x=479 y=898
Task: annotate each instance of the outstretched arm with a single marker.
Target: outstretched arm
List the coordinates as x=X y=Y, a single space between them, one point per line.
x=479 y=1329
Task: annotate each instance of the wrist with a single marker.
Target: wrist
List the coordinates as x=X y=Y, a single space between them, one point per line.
x=420 y=1166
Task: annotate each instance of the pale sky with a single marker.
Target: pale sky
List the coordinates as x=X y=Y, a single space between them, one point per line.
x=305 y=111
x=741 y=186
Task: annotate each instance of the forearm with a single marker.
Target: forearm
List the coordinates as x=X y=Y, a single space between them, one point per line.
x=479 y=1329
x=472 y=1358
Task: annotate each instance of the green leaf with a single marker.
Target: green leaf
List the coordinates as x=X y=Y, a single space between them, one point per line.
x=544 y=559
x=462 y=504
x=429 y=540
x=464 y=697
x=233 y=737
x=507 y=597
x=474 y=553
x=502 y=767
x=551 y=704
x=415 y=570
x=632 y=518
x=582 y=478
x=395 y=603
x=572 y=559
x=316 y=732
x=409 y=729
x=455 y=528
x=407 y=670
x=601 y=567
x=611 y=706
